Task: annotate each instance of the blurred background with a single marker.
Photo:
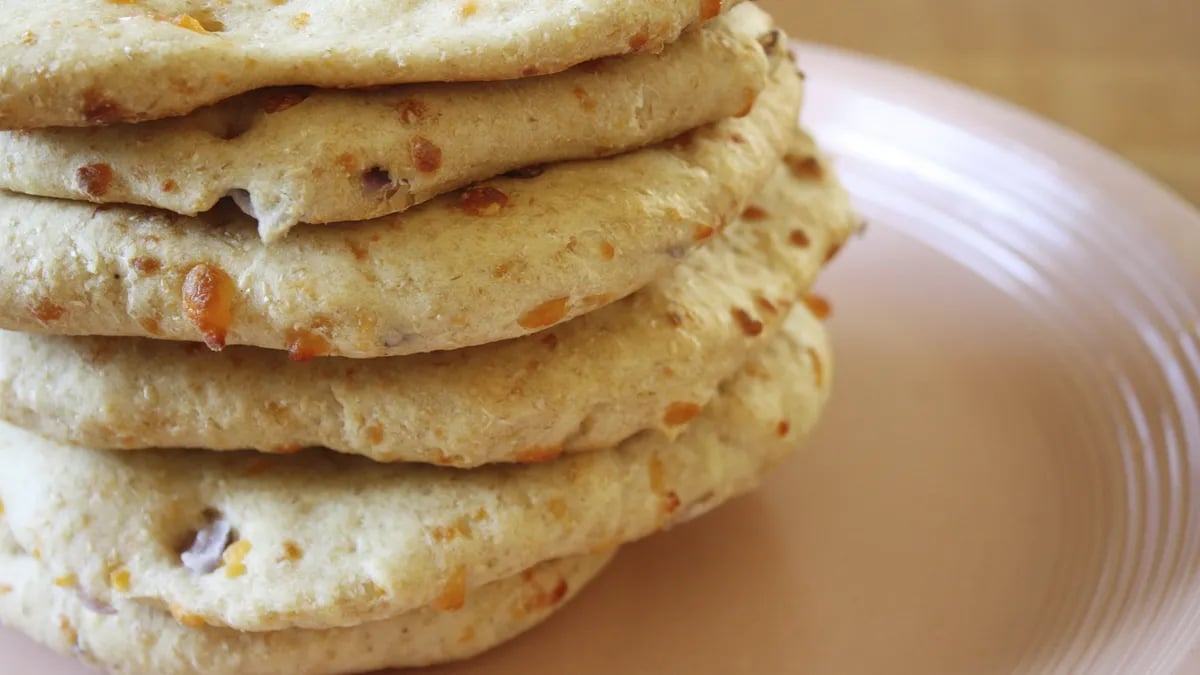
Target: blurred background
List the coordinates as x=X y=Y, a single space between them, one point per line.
x=1125 y=73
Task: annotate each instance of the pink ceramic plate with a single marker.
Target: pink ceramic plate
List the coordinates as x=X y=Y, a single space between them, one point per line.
x=1007 y=479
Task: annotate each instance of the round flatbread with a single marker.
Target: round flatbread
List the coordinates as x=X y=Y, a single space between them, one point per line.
x=587 y=384
x=499 y=260
x=84 y=63
x=132 y=638
x=381 y=540
x=322 y=156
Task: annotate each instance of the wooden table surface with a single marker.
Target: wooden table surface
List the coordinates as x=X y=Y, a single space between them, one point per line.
x=1125 y=73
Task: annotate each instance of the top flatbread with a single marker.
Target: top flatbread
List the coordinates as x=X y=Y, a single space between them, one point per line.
x=646 y=362
x=507 y=258
x=321 y=156
x=88 y=62
x=316 y=540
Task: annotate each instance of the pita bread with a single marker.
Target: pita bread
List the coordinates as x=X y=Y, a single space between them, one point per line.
x=587 y=384
x=322 y=156
x=135 y=639
x=83 y=63
x=381 y=540
x=500 y=260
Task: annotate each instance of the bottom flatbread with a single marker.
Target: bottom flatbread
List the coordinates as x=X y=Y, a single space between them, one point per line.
x=137 y=639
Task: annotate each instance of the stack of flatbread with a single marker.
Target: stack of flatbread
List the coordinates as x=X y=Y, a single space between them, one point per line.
x=350 y=335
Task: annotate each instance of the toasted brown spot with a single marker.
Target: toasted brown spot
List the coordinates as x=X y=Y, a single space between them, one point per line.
x=412 y=110
x=817 y=365
x=454 y=593
x=819 y=306
x=500 y=271
x=638 y=42
x=483 y=201
x=557 y=507
x=675 y=319
x=151 y=325
x=290 y=449
x=305 y=345
x=146 y=264
x=45 y=311
x=754 y=214
x=749 y=325
x=99 y=109
x=607 y=251
x=347 y=163
x=800 y=238
x=832 y=253
x=375 y=434
x=545 y=315
x=671 y=502
x=766 y=305
x=467 y=635
x=94 y=179
x=737 y=138
x=556 y=594
x=208 y=302
x=681 y=412
x=300 y=20
x=169 y=185
x=461 y=528
x=358 y=250
x=709 y=9
x=278 y=101
x=783 y=428
x=748 y=106
x=585 y=99
x=550 y=340
x=426 y=156
x=530 y=71
x=703 y=232
x=539 y=455
x=657 y=475
x=291 y=552
x=468 y=10
x=807 y=168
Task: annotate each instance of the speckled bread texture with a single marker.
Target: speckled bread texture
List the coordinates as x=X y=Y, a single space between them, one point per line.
x=136 y=639
x=322 y=156
x=381 y=540
x=506 y=258
x=87 y=62
x=646 y=362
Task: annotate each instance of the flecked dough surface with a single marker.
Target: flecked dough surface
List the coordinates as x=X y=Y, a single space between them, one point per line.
x=136 y=639
x=92 y=62
x=317 y=540
x=641 y=363
x=297 y=155
x=499 y=260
